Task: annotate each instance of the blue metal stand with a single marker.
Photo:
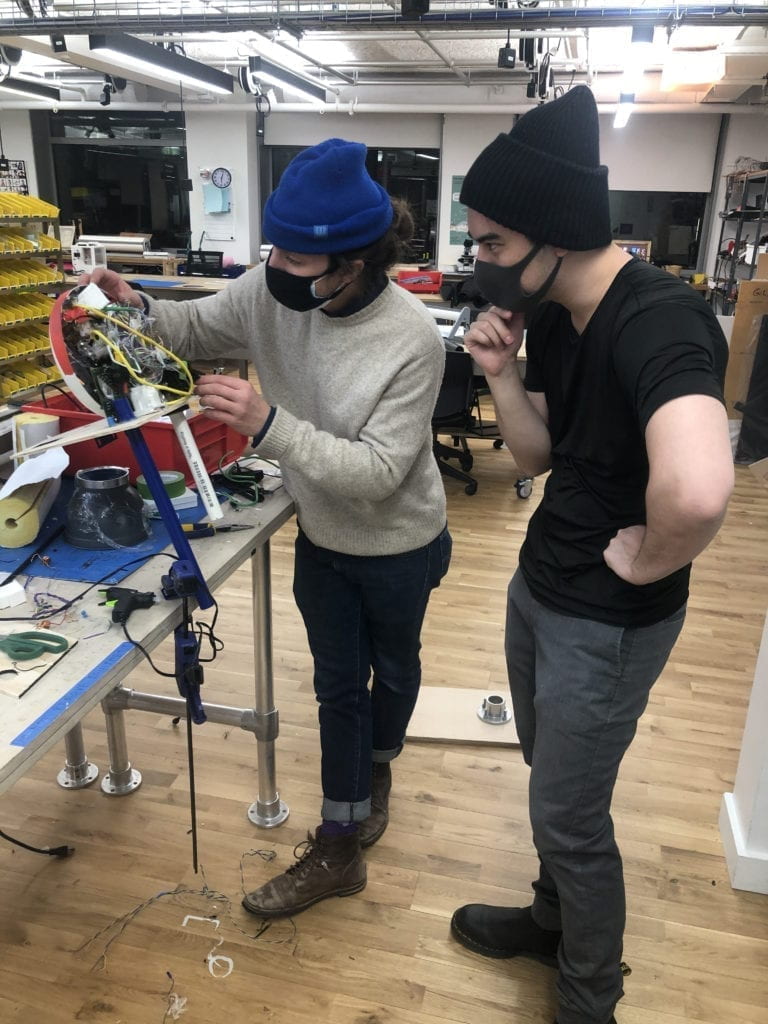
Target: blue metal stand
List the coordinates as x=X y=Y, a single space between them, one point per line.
x=144 y=457
x=184 y=580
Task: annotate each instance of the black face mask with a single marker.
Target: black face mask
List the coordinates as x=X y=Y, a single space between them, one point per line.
x=298 y=293
x=502 y=286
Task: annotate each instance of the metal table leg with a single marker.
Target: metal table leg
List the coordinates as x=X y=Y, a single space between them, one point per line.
x=121 y=777
x=268 y=810
x=78 y=772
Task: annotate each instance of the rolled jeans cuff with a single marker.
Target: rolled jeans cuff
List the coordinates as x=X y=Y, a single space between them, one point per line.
x=343 y=811
x=385 y=756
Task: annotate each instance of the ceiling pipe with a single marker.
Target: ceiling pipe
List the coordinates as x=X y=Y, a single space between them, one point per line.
x=441 y=36
x=550 y=17
x=392 y=108
x=521 y=108
x=447 y=63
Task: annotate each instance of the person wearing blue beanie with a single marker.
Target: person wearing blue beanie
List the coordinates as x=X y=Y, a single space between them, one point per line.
x=622 y=406
x=327 y=202
x=349 y=368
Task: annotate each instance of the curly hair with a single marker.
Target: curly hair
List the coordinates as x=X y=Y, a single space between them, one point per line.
x=385 y=252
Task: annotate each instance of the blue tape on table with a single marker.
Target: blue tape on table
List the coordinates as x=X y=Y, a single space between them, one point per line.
x=50 y=715
x=86 y=566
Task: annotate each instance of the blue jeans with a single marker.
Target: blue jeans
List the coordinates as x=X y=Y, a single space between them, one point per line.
x=364 y=613
x=578 y=690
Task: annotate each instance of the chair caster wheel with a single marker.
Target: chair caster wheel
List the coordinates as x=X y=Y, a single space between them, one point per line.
x=498 y=443
x=524 y=488
x=471 y=488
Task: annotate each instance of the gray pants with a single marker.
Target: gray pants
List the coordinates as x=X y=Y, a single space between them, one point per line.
x=578 y=689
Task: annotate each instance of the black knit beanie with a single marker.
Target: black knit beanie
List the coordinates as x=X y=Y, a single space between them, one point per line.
x=544 y=178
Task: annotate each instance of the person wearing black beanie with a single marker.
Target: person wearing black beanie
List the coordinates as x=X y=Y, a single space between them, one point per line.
x=622 y=404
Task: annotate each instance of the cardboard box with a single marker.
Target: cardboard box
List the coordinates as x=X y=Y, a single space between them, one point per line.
x=751 y=307
x=761 y=270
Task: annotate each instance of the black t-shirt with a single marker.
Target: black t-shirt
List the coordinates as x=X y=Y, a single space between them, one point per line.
x=651 y=339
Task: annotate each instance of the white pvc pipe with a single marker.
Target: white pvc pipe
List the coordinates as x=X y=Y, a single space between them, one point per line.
x=196 y=465
x=395 y=108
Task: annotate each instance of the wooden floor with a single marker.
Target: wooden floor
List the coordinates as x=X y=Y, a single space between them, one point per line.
x=698 y=950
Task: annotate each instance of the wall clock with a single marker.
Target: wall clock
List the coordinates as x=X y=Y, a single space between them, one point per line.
x=221 y=177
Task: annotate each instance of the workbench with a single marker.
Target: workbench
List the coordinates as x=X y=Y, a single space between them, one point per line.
x=92 y=671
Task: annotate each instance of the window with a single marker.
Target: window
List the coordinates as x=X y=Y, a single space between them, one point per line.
x=671 y=221
x=123 y=171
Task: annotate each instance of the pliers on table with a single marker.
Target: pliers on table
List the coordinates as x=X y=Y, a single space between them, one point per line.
x=192 y=530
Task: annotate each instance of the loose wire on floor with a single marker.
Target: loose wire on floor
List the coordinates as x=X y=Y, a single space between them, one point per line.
x=55 y=851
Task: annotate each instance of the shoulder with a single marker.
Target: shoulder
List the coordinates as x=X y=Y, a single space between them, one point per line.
x=653 y=306
x=410 y=318
x=674 y=316
x=640 y=288
x=252 y=283
x=404 y=303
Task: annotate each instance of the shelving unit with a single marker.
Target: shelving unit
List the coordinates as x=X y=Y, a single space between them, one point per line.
x=29 y=239
x=745 y=213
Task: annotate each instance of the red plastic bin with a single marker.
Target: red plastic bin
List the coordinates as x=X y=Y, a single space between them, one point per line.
x=215 y=441
x=420 y=280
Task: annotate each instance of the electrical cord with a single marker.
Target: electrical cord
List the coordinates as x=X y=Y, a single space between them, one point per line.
x=241 y=481
x=204 y=631
x=562 y=90
x=56 y=851
x=57 y=387
x=44 y=614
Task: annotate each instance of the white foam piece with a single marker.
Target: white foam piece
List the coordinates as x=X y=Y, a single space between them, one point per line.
x=12 y=594
x=93 y=297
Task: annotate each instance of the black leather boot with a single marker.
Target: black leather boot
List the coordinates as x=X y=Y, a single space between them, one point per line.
x=504 y=932
x=611 y=1021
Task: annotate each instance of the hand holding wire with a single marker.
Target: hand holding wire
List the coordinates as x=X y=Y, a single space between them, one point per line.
x=233 y=401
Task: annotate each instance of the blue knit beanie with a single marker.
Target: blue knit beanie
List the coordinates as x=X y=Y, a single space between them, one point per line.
x=327 y=202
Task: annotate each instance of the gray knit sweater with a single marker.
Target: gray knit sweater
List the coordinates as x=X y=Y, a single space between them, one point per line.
x=354 y=398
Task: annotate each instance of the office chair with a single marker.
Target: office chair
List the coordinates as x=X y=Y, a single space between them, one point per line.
x=452 y=323
x=453 y=415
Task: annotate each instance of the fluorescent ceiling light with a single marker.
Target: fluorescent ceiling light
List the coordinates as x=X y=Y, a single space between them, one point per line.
x=692 y=70
x=427 y=156
x=624 y=110
x=637 y=59
x=285 y=79
x=130 y=53
x=36 y=90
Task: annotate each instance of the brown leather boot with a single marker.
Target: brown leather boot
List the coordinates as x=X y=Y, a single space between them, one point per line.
x=329 y=866
x=374 y=826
